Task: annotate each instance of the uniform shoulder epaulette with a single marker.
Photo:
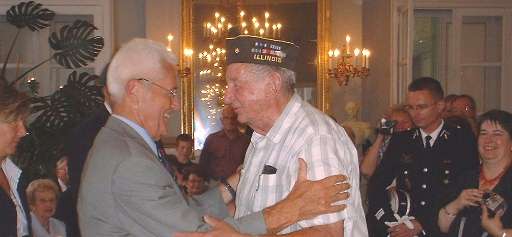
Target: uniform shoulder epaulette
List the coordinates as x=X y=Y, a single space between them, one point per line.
x=414 y=133
x=444 y=133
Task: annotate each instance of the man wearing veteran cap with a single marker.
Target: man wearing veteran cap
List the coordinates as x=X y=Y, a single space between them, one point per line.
x=260 y=77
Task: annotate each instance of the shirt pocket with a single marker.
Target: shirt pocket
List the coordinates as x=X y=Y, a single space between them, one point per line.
x=268 y=192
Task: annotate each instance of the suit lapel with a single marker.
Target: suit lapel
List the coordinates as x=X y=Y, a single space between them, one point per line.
x=443 y=135
x=121 y=127
x=417 y=139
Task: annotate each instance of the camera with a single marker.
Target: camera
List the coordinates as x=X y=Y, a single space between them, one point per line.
x=386 y=126
x=494 y=203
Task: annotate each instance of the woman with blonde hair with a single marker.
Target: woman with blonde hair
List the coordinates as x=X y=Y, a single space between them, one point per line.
x=373 y=156
x=42 y=195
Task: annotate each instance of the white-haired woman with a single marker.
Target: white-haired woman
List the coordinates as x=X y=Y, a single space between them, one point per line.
x=42 y=197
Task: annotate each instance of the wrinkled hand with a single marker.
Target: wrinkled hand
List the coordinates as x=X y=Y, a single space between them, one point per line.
x=469 y=197
x=219 y=229
x=313 y=198
x=492 y=225
x=403 y=231
x=306 y=200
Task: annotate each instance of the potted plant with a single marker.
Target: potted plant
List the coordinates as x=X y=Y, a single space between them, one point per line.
x=74 y=46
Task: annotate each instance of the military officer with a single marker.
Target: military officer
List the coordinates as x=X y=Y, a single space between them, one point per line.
x=423 y=161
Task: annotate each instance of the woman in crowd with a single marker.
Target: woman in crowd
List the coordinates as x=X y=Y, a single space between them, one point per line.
x=42 y=195
x=375 y=152
x=461 y=214
x=194 y=180
x=195 y=183
x=14 y=216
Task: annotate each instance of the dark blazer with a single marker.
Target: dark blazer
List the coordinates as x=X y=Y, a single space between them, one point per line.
x=76 y=148
x=472 y=226
x=8 y=215
x=424 y=174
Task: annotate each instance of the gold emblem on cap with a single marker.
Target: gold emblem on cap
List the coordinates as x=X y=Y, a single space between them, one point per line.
x=237 y=50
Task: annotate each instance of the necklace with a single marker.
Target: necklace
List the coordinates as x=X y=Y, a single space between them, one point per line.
x=484 y=182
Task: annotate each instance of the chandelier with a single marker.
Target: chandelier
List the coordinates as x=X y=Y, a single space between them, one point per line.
x=343 y=65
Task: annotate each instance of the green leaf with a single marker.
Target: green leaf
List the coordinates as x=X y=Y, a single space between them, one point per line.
x=56 y=112
x=31 y=15
x=75 y=44
x=81 y=89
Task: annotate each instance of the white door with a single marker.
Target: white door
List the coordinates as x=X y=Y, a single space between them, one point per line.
x=401 y=55
x=468 y=50
x=482 y=49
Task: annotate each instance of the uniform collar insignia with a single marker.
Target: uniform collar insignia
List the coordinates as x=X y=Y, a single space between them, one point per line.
x=416 y=133
x=444 y=134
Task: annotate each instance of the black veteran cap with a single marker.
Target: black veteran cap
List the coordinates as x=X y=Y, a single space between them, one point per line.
x=258 y=50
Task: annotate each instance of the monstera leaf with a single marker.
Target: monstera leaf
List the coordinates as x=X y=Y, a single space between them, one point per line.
x=25 y=14
x=31 y=15
x=55 y=115
x=56 y=112
x=36 y=154
x=81 y=90
x=75 y=44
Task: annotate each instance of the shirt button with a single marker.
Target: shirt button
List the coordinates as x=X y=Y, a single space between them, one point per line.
x=405 y=172
x=424 y=186
x=446 y=181
x=422 y=203
x=425 y=170
x=446 y=171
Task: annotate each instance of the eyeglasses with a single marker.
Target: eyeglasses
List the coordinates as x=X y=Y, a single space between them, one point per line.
x=171 y=92
x=420 y=107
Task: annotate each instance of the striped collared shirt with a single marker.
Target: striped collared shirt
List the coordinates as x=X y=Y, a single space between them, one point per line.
x=301 y=131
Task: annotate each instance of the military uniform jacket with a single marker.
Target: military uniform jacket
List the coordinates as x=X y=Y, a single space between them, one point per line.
x=424 y=174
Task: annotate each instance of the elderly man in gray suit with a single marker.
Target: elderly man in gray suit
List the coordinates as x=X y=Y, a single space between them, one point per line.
x=125 y=189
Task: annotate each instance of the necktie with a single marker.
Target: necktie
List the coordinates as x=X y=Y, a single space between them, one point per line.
x=160 y=150
x=161 y=157
x=428 y=146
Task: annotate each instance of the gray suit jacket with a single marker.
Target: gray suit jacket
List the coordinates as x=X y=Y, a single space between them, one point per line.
x=126 y=191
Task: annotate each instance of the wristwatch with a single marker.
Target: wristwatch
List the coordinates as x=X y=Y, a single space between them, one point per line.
x=228 y=187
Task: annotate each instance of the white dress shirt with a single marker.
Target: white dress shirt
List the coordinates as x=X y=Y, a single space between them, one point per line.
x=433 y=134
x=301 y=131
x=13 y=173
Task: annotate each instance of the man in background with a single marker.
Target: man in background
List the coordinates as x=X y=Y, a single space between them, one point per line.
x=224 y=150
x=464 y=106
x=424 y=161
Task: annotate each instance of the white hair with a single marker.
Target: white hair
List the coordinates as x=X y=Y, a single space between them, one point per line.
x=263 y=71
x=139 y=58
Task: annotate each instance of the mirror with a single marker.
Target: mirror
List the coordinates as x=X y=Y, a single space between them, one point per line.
x=205 y=26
